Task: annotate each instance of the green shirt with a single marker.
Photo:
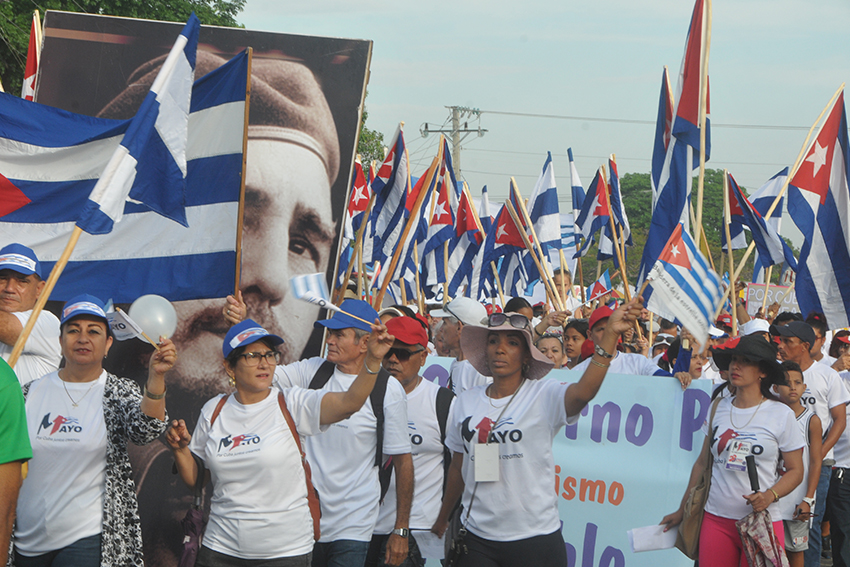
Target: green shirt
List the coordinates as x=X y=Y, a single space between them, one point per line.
x=14 y=438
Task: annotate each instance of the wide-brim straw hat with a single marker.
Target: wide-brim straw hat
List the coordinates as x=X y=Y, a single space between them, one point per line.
x=755 y=349
x=473 y=341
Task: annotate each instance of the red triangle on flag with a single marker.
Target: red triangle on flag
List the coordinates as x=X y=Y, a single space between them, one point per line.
x=675 y=252
x=815 y=170
x=11 y=198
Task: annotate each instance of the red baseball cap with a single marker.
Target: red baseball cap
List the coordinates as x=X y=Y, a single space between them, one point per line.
x=601 y=313
x=407 y=330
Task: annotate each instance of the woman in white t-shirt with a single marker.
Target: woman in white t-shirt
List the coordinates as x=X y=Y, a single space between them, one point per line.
x=78 y=505
x=752 y=422
x=501 y=437
x=260 y=507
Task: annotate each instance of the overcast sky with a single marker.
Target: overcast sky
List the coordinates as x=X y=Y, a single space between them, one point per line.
x=773 y=63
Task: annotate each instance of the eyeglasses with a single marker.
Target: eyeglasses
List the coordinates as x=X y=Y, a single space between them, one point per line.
x=253 y=358
x=402 y=354
x=517 y=320
x=548 y=335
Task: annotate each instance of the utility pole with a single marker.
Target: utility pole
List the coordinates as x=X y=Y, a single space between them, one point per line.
x=458 y=113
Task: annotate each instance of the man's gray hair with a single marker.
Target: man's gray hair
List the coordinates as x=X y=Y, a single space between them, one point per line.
x=359 y=333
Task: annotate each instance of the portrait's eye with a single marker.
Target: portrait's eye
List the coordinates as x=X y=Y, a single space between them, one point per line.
x=300 y=246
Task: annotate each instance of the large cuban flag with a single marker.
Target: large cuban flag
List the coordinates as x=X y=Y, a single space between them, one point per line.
x=51 y=159
x=686 y=289
x=819 y=204
x=390 y=186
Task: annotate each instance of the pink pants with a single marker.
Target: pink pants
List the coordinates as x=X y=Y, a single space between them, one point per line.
x=720 y=544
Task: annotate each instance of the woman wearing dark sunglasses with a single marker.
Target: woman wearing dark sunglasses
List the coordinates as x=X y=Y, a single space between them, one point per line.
x=501 y=437
x=260 y=507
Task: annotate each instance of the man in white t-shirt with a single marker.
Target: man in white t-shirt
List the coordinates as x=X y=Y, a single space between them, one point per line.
x=428 y=408
x=20 y=286
x=623 y=362
x=827 y=395
x=839 y=500
x=343 y=458
x=455 y=314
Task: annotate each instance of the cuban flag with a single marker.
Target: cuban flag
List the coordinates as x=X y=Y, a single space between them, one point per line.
x=674 y=180
x=685 y=288
x=33 y=57
x=503 y=239
x=600 y=287
x=762 y=200
x=737 y=223
x=441 y=211
x=621 y=221
x=464 y=245
x=51 y=159
x=772 y=248
x=358 y=202
x=594 y=211
x=819 y=204
x=663 y=131
x=390 y=186
x=568 y=240
x=544 y=212
x=149 y=164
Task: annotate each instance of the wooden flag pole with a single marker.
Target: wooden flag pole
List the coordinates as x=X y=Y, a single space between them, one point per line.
x=527 y=218
x=484 y=235
x=414 y=214
x=703 y=110
x=445 y=269
x=768 y=275
x=799 y=160
x=787 y=291
x=704 y=238
x=649 y=338
x=528 y=246
x=240 y=214
x=614 y=240
x=45 y=294
x=563 y=271
x=419 y=301
x=727 y=219
x=581 y=279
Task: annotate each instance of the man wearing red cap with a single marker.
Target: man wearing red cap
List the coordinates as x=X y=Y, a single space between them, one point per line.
x=621 y=362
x=427 y=411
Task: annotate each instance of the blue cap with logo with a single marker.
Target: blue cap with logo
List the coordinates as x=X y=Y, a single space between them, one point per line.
x=341 y=320
x=84 y=304
x=19 y=258
x=245 y=333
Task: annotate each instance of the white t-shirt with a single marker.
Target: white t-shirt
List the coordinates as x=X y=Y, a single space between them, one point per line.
x=788 y=504
x=824 y=391
x=828 y=360
x=773 y=428
x=259 y=502
x=426 y=449
x=629 y=363
x=521 y=504
x=61 y=500
x=41 y=353
x=465 y=377
x=343 y=457
x=842 y=446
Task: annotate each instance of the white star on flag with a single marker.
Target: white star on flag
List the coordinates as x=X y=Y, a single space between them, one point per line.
x=818 y=158
x=501 y=231
x=360 y=194
x=439 y=211
x=674 y=250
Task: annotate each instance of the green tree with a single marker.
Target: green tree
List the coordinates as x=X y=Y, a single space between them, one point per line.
x=370 y=144
x=16 y=19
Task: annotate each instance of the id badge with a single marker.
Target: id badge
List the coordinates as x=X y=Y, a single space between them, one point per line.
x=486 y=462
x=738 y=452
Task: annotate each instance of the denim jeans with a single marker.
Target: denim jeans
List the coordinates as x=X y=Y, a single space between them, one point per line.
x=812 y=555
x=340 y=553
x=82 y=553
x=839 y=517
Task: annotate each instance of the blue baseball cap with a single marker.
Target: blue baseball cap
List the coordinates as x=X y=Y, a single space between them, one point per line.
x=245 y=333
x=84 y=305
x=344 y=321
x=21 y=259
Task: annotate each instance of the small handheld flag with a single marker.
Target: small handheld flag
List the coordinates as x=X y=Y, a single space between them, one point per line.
x=313 y=288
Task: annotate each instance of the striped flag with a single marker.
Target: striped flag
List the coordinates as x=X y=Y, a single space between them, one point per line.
x=685 y=288
x=33 y=57
x=600 y=287
x=390 y=186
x=50 y=160
x=310 y=287
x=762 y=200
x=594 y=212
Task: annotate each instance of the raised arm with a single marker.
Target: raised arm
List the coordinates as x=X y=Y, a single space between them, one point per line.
x=162 y=360
x=580 y=393
x=337 y=406
x=178 y=439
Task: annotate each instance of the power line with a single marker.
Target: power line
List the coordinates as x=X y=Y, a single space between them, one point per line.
x=638 y=122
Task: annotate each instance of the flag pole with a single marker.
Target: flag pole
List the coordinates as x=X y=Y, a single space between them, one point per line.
x=445 y=269
x=45 y=294
x=563 y=270
x=727 y=219
x=358 y=255
x=544 y=273
x=703 y=239
x=240 y=214
x=581 y=278
x=768 y=275
x=419 y=303
x=614 y=240
x=550 y=292
x=622 y=240
x=803 y=151
x=414 y=214
x=703 y=110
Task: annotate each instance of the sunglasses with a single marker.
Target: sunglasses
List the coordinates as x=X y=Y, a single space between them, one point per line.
x=402 y=354
x=516 y=320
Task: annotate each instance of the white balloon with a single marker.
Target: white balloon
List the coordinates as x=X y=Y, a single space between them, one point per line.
x=155 y=315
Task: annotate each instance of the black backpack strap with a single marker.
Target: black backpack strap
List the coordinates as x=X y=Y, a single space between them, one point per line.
x=376 y=398
x=444 y=404
x=323 y=374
